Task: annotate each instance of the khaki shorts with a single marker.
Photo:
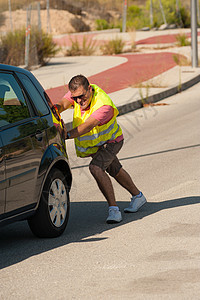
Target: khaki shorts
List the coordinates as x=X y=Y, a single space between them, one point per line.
x=106 y=158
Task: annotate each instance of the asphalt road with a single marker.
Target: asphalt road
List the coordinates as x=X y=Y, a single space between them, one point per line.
x=153 y=254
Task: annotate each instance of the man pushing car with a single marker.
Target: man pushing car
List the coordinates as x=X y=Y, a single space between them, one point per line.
x=98 y=135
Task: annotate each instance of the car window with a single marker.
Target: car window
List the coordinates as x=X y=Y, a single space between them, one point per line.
x=13 y=107
x=34 y=94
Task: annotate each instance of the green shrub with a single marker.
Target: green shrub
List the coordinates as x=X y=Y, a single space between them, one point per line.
x=45 y=46
x=172 y=17
x=12 y=47
x=114 y=46
x=182 y=40
x=101 y=24
x=137 y=17
x=88 y=47
x=185 y=17
x=116 y=23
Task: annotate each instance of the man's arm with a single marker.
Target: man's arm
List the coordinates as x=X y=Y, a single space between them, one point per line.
x=63 y=105
x=88 y=125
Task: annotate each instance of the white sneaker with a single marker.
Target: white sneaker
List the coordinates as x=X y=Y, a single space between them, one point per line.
x=114 y=216
x=136 y=203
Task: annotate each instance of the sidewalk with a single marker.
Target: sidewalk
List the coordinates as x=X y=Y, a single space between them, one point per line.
x=130 y=79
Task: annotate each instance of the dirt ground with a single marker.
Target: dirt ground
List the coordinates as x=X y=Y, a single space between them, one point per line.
x=60 y=21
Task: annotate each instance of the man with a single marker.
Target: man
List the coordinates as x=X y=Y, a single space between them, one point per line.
x=98 y=135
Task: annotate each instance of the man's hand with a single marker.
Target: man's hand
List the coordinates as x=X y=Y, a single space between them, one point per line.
x=57 y=112
x=63 y=105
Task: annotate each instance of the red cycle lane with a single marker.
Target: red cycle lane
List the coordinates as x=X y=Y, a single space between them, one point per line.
x=138 y=68
x=66 y=40
x=163 y=39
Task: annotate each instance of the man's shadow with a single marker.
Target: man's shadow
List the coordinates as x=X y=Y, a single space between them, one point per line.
x=86 y=220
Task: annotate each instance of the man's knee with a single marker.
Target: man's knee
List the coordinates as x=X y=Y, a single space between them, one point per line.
x=114 y=170
x=94 y=169
x=118 y=173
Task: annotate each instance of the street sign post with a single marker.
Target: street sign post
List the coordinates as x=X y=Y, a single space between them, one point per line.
x=124 y=16
x=194 y=46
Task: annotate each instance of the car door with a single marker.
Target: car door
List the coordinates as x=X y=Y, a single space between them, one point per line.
x=24 y=140
x=2 y=179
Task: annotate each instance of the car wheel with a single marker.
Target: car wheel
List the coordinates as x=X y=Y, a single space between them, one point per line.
x=52 y=214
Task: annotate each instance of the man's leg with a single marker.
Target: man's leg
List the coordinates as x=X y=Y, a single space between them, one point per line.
x=100 y=162
x=137 y=199
x=124 y=179
x=104 y=184
x=106 y=187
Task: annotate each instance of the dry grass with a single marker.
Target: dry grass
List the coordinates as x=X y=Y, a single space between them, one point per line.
x=149 y=85
x=106 y=4
x=88 y=47
x=16 y=4
x=114 y=46
x=103 y=4
x=181 y=60
x=132 y=35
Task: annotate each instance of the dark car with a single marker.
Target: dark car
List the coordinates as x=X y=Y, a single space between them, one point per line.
x=35 y=176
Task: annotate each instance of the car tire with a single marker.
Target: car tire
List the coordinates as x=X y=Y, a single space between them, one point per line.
x=52 y=214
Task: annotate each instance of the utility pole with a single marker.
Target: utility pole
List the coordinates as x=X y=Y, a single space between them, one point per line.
x=48 y=18
x=10 y=13
x=39 y=17
x=162 y=11
x=28 y=31
x=194 y=46
x=124 y=16
x=198 y=14
x=151 y=13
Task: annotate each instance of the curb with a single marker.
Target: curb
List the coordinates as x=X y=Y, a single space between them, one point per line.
x=112 y=30
x=137 y=104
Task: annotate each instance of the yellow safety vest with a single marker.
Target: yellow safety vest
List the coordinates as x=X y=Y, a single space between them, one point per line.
x=90 y=142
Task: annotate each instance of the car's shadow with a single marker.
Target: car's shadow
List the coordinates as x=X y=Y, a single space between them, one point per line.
x=86 y=220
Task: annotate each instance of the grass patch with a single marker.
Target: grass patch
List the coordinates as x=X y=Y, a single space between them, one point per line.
x=87 y=48
x=114 y=46
x=182 y=40
x=181 y=60
x=101 y=24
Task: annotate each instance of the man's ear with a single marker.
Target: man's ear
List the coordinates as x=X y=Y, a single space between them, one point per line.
x=91 y=88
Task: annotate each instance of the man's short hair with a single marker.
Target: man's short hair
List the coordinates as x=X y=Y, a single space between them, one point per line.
x=77 y=81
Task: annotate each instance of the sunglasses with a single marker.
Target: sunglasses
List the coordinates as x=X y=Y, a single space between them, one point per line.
x=82 y=97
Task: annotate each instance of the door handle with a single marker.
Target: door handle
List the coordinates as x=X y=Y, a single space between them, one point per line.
x=39 y=135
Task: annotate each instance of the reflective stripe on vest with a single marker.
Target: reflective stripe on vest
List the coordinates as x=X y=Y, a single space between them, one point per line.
x=96 y=135
x=87 y=150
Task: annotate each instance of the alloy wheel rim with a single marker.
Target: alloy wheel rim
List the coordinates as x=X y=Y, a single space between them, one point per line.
x=57 y=202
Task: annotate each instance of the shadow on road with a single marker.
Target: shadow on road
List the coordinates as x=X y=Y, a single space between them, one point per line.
x=60 y=63
x=86 y=220
x=144 y=155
